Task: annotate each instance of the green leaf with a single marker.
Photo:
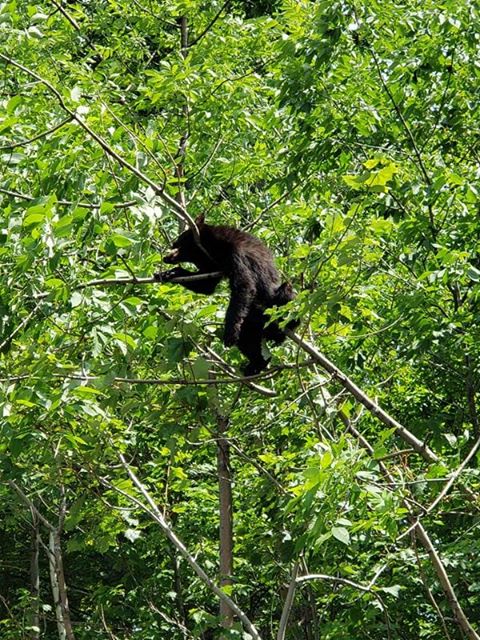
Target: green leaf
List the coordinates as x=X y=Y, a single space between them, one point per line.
x=121 y=241
x=33 y=219
x=76 y=299
x=200 y=368
x=341 y=534
x=394 y=590
x=473 y=273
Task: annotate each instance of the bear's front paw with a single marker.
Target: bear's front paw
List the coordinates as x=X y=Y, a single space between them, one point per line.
x=231 y=337
x=166 y=276
x=159 y=276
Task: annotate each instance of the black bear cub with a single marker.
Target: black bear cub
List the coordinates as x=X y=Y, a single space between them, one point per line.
x=254 y=281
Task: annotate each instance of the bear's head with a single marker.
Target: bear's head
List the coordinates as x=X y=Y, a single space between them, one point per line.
x=185 y=248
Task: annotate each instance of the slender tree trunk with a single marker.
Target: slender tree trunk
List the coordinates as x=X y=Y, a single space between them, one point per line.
x=59 y=589
x=35 y=579
x=471 y=392
x=179 y=591
x=226 y=517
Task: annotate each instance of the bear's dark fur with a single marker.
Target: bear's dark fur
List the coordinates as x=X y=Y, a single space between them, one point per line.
x=254 y=283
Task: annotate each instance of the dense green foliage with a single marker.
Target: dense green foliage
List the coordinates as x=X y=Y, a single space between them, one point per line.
x=345 y=135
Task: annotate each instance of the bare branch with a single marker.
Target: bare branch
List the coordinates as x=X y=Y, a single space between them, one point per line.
x=26 y=500
x=420 y=447
x=68 y=203
x=435 y=559
x=210 y=24
x=18 y=328
x=452 y=479
x=44 y=134
x=110 y=282
x=444 y=580
x=66 y=15
x=350 y=583
x=401 y=118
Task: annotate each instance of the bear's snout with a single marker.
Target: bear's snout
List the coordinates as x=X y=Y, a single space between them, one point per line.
x=172 y=256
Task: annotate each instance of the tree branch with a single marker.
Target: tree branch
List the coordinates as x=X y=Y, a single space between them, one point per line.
x=420 y=447
x=69 y=203
x=44 y=134
x=444 y=580
x=355 y=585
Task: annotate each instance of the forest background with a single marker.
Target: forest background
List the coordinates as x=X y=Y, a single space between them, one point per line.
x=344 y=135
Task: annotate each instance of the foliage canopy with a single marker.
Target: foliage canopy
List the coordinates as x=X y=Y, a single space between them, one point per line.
x=345 y=135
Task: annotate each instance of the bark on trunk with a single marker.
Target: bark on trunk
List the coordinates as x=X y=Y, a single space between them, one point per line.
x=59 y=589
x=226 y=519
x=35 y=580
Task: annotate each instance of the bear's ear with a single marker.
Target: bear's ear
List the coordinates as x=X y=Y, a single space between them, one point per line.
x=200 y=220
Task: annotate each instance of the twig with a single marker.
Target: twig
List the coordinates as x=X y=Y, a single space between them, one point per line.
x=44 y=134
x=110 y=282
x=402 y=119
x=13 y=485
x=355 y=585
x=66 y=15
x=24 y=322
x=453 y=477
x=210 y=24
x=68 y=203
x=176 y=208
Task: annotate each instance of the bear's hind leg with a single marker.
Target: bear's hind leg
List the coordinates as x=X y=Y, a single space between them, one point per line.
x=250 y=342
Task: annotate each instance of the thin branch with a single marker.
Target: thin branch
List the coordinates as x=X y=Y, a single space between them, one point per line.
x=205 y=164
x=430 y=595
x=26 y=500
x=435 y=559
x=66 y=15
x=274 y=203
x=44 y=134
x=22 y=324
x=420 y=447
x=355 y=585
x=110 y=282
x=259 y=468
x=175 y=207
x=68 y=203
x=447 y=587
x=210 y=24
x=137 y=140
x=402 y=119
x=155 y=15
x=175 y=623
x=158 y=382
x=452 y=479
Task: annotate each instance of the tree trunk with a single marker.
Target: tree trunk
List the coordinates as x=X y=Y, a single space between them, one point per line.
x=226 y=519
x=35 y=579
x=59 y=589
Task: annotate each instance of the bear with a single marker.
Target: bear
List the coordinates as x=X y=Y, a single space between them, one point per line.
x=255 y=284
